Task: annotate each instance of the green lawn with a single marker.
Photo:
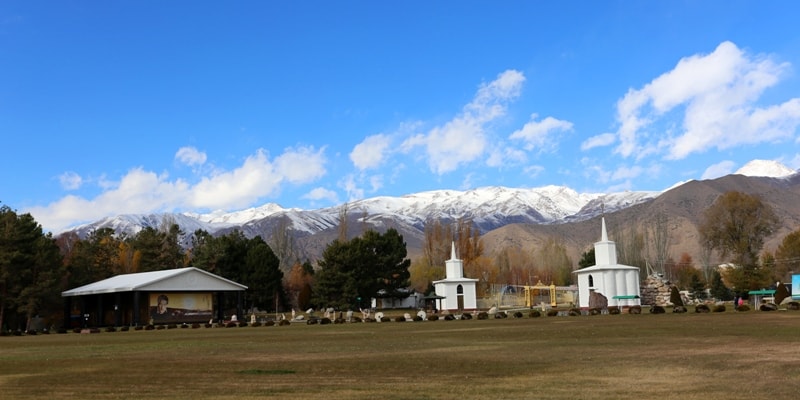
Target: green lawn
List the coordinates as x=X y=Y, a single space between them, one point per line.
x=751 y=355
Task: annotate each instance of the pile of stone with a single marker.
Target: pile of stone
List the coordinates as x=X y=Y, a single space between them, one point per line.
x=656 y=290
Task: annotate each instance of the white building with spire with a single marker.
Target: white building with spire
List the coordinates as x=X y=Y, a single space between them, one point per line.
x=457 y=291
x=618 y=283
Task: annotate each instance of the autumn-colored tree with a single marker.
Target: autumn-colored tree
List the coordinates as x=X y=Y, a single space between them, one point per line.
x=298 y=285
x=736 y=225
x=787 y=256
x=554 y=264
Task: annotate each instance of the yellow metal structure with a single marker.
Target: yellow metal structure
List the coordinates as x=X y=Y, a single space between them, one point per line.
x=535 y=290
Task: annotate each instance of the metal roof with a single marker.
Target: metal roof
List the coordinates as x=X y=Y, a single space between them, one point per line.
x=177 y=280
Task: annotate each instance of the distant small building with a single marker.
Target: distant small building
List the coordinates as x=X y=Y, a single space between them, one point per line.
x=618 y=283
x=456 y=292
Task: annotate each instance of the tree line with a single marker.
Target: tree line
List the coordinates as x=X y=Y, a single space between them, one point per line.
x=35 y=267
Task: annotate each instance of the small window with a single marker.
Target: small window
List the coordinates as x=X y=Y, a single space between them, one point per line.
x=460 y=289
x=591 y=281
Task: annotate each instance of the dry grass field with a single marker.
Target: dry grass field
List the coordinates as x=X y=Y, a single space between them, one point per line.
x=750 y=355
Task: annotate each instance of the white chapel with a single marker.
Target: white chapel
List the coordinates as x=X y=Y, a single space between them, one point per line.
x=457 y=291
x=618 y=283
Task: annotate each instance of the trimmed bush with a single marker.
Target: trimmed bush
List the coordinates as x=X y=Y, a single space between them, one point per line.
x=793 y=305
x=111 y=329
x=325 y=321
x=433 y=317
x=702 y=308
x=743 y=307
x=483 y=315
x=768 y=307
x=657 y=310
x=635 y=310
x=312 y=321
x=284 y=322
x=574 y=312
x=719 y=308
x=614 y=310
x=535 y=314
x=595 y=311
x=518 y=314
x=449 y=317
x=679 y=309
x=467 y=316
x=552 y=312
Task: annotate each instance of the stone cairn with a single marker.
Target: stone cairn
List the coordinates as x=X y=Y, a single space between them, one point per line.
x=656 y=290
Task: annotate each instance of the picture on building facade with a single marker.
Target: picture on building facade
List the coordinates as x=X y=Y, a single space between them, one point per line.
x=180 y=307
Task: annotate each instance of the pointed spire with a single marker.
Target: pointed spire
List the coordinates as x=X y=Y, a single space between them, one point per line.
x=453 y=252
x=604 y=236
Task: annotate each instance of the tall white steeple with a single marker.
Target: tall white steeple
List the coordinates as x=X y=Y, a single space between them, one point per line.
x=605 y=251
x=454 y=267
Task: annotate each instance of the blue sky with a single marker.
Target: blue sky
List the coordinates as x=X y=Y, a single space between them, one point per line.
x=146 y=106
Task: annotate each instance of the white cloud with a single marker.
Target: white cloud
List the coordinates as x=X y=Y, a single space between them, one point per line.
x=320 y=193
x=371 y=152
x=537 y=134
x=600 y=140
x=190 y=156
x=533 y=170
x=70 y=180
x=719 y=169
x=464 y=139
x=718 y=93
x=626 y=173
x=301 y=165
x=350 y=186
x=141 y=191
x=500 y=157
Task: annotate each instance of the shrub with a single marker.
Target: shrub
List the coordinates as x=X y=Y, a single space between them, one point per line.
x=793 y=305
x=518 y=314
x=312 y=321
x=284 y=322
x=574 y=312
x=594 y=311
x=613 y=310
x=417 y=318
x=657 y=310
x=718 y=308
x=433 y=317
x=449 y=317
x=325 y=321
x=111 y=329
x=635 y=310
x=702 y=308
x=743 y=307
x=483 y=315
x=231 y=324
x=255 y=324
x=679 y=309
x=768 y=307
x=400 y=318
x=552 y=312
x=535 y=314
x=469 y=316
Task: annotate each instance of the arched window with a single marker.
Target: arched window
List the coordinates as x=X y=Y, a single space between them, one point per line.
x=591 y=281
x=460 y=289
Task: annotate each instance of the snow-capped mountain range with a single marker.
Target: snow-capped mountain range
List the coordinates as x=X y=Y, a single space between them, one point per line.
x=488 y=207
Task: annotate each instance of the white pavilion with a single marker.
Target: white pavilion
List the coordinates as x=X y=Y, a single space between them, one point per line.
x=618 y=283
x=457 y=291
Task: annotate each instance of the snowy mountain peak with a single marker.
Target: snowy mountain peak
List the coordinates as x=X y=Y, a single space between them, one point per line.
x=768 y=168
